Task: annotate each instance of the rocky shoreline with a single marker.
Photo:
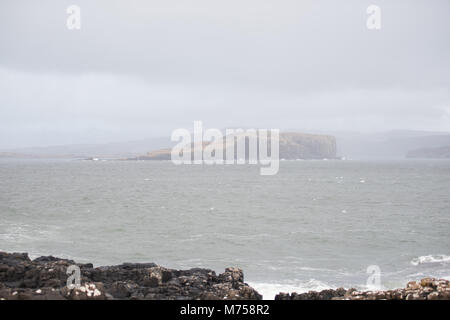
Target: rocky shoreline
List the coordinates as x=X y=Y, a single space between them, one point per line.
x=425 y=289
x=46 y=278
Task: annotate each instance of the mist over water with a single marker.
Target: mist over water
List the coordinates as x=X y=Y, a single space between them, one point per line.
x=314 y=225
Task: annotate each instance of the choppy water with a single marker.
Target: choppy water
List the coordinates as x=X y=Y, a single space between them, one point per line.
x=314 y=225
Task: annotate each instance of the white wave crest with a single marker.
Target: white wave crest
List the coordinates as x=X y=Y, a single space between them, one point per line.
x=438 y=258
x=270 y=290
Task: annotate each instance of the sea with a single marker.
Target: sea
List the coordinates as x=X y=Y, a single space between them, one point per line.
x=315 y=225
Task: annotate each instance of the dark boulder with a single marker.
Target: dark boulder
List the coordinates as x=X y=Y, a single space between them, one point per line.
x=46 y=278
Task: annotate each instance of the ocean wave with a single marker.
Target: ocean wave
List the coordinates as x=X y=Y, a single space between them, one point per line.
x=438 y=258
x=270 y=290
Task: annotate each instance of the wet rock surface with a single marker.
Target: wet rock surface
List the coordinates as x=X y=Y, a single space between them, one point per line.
x=46 y=278
x=425 y=289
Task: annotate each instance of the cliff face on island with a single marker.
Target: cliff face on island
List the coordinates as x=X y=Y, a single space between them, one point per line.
x=430 y=153
x=292 y=145
x=307 y=146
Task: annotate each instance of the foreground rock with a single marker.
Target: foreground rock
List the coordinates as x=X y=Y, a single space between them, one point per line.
x=425 y=289
x=46 y=278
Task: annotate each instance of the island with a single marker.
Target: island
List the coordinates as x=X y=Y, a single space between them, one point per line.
x=293 y=145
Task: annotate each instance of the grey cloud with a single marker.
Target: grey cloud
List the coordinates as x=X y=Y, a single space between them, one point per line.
x=140 y=68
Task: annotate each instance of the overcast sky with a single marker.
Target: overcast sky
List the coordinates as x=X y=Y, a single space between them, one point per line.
x=138 y=69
